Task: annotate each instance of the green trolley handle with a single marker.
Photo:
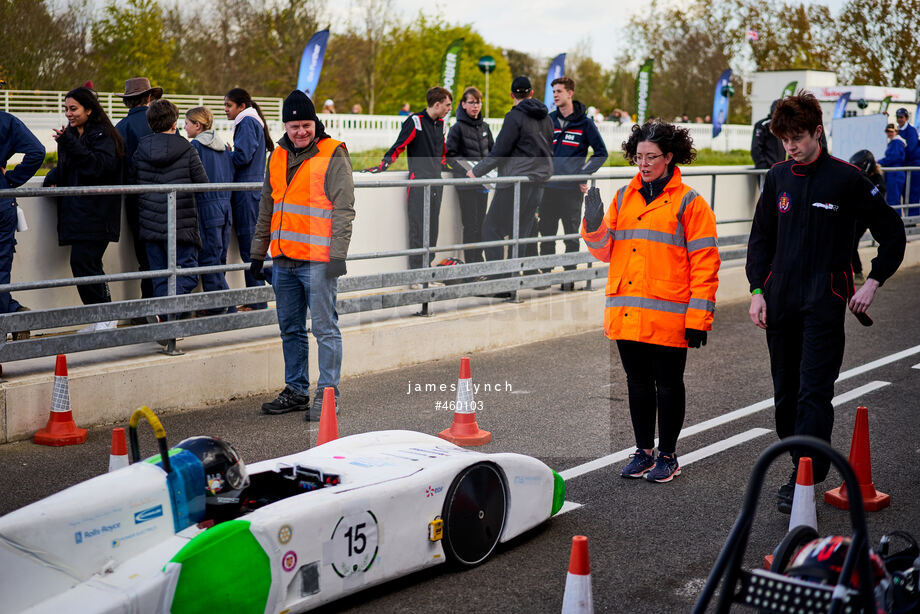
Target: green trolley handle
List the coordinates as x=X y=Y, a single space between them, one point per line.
x=158 y=430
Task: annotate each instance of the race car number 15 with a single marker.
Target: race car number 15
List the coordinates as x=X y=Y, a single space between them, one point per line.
x=354 y=543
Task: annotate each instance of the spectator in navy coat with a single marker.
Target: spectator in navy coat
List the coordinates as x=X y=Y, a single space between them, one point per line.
x=213 y=207
x=895 y=155
x=912 y=156
x=132 y=127
x=165 y=157
x=90 y=152
x=251 y=140
x=14 y=138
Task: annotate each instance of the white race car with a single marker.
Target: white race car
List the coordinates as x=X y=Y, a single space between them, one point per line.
x=291 y=533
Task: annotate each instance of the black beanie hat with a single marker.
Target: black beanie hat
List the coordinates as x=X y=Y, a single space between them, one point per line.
x=298 y=107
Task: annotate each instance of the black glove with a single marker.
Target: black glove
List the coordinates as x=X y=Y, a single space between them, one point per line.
x=335 y=268
x=377 y=169
x=695 y=338
x=594 y=210
x=255 y=269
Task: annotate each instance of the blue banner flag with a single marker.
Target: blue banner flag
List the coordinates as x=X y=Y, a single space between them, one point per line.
x=556 y=70
x=311 y=62
x=840 y=109
x=724 y=91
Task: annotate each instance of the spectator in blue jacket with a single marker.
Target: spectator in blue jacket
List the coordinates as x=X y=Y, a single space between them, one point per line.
x=213 y=207
x=912 y=157
x=15 y=138
x=251 y=140
x=895 y=155
x=573 y=133
x=132 y=127
x=90 y=153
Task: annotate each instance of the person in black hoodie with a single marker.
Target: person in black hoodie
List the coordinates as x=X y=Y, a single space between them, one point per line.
x=166 y=157
x=523 y=147
x=766 y=149
x=573 y=133
x=422 y=138
x=90 y=152
x=469 y=141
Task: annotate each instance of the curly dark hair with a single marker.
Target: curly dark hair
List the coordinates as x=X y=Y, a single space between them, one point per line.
x=669 y=138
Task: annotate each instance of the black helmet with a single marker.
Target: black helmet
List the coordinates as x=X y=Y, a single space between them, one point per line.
x=224 y=471
x=863 y=160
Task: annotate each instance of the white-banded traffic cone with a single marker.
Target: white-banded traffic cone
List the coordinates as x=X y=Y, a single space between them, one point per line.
x=578 y=598
x=60 y=430
x=465 y=431
x=118 y=457
x=803 y=501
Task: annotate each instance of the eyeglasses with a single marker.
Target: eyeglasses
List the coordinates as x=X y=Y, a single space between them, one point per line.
x=650 y=158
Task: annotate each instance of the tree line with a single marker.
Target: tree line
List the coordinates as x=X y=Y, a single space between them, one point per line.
x=379 y=60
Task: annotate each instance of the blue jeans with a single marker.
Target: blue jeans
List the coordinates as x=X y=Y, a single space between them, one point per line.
x=186 y=258
x=299 y=290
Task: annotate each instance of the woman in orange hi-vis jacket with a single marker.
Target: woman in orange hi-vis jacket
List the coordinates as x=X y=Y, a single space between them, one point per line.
x=659 y=237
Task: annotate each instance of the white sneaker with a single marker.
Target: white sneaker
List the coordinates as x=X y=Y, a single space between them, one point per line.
x=107 y=325
x=415 y=286
x=88 y=329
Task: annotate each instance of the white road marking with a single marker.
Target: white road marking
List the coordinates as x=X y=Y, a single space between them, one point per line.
x=568 y=506
x=616 y=457
x=721 y=446
x=916 y=366
x=881 y=362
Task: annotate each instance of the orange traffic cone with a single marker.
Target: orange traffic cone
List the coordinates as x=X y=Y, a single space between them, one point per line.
x=61 y=430
x=577 y=598
x=118 y=457
x=328 y=425
x=803 y=502
x=861 y=462
x=465 y=431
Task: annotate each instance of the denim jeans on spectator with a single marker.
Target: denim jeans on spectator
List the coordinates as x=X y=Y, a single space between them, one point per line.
x=186 y=258
x=298 y=291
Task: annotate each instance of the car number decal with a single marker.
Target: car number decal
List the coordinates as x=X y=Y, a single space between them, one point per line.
x=354 y=543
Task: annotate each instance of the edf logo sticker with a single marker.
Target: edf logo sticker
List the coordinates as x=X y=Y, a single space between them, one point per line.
x=433 y=490
x=784 y=202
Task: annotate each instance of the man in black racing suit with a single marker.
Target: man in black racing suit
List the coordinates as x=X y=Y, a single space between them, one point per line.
x=798 y=266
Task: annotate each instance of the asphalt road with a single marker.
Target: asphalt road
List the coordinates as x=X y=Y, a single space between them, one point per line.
x=564 y=401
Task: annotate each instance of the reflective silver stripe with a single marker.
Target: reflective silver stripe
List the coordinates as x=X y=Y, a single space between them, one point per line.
x=686 y=200
x=599 y=244
x=620 y=197
x=646 y=303
x=650 y=235
x=696 y=244
x=303 y=210
x=702 y=304
x=297 y=237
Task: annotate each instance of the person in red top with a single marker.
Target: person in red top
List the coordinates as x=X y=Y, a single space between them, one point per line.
x=659 y=237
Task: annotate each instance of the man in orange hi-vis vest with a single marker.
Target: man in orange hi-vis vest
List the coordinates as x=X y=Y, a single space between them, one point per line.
x=659 y=237
x=305 y=217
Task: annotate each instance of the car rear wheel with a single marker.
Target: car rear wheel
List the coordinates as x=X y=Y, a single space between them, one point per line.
x=474 y=514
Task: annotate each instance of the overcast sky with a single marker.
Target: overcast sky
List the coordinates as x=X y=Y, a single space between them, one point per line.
x=542 y=27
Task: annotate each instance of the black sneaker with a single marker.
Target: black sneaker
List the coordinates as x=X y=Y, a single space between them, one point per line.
x=316 y=412
x=287 y=401
x=666 y=467
x=785 y=494
x=568 y=286
x=641 y=463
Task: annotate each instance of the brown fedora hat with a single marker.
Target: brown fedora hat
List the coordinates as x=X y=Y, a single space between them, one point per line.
x=138 y=86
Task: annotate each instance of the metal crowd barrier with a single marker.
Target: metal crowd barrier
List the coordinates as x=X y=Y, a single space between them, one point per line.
x=437 y=283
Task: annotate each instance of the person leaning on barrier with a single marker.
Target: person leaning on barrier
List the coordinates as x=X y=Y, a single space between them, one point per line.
x=895 y=155
x=132 y=127
x=912 y=155
x=522 y=147
x=305 y=217
x=766 y=149
x=798 y=266
x=90 y=153
x=214 y=215
x=469 y=141
x=15 y=138
x=422 y=138
x=165 y=157
x=659 y=236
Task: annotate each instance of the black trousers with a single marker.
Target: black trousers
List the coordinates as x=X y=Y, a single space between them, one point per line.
x=499 y=222
x=806 y=351
x=416 y=197
x=86 y=260
x=655 y=383
x=560 y=206
x=472 y=213
x=132 y=216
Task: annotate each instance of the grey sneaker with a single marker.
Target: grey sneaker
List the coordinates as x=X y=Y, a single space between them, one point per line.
x=288 y=400
x=316 y=411
x=640 y=463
